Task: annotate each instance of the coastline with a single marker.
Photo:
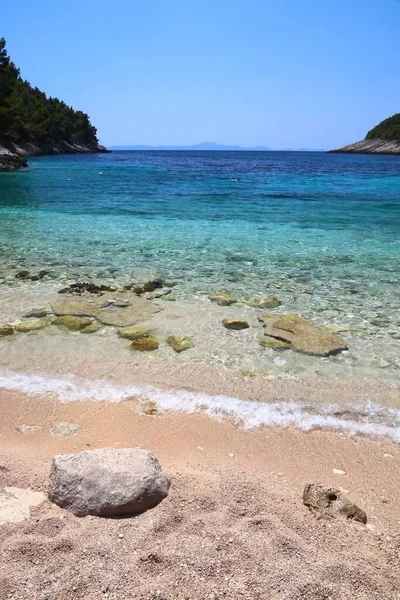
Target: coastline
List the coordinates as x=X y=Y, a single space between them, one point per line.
x=386 y=147
x=13 y=156
x=226 y=484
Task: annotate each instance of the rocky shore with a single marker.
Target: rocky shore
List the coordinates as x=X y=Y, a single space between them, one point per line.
x=371 y=147
x=14 y=156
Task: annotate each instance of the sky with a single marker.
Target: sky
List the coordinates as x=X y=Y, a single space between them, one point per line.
x=279 y=73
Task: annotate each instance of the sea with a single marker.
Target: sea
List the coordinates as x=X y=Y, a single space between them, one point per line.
x=320 y=231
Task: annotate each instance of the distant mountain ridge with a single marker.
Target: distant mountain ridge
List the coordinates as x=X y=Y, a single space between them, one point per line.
x=201 y=146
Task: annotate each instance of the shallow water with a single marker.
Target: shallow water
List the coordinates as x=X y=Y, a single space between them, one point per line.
x=320 y=231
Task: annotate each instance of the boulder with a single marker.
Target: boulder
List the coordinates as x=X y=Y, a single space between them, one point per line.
x=99 y=307
x=107 y=482
x=145 y=344
x=180 y=343
x=263 y=302
x=72 y=323
x=135 y=333
x=303 y=336
x=330 y=502
x=236 y=324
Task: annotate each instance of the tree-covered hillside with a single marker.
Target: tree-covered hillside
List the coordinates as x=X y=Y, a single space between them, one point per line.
x=28 y=115
x=389 y=129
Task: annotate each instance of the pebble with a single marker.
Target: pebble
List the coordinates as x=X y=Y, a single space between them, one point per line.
x=339 y=472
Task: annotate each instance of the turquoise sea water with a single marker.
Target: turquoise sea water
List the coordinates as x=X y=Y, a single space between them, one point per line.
x=241 y=220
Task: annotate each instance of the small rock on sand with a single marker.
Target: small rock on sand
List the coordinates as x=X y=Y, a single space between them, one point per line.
x=72 y=322
x=330 y=502
x=223 y=298
x=27 y=429
x=107 y=482
x=263 y=302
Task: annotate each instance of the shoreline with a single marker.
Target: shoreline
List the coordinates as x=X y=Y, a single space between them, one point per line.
x=232 y=526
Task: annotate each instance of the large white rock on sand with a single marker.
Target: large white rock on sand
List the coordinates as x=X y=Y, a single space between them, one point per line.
x=107 y=482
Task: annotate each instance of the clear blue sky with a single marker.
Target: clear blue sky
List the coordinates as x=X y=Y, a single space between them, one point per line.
x=280 y=73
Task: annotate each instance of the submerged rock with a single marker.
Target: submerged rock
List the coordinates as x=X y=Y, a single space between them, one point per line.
x=63 y=429
x=263 y=302
x=107 y=482
x=135 y=333
x=330 y=502
x=302 y=335
x=145 y=344
x=180 y=343
x=81 y=287
x=73 y=323
x=99 y=307
x=274 y=344
x=37 y=313
x=236 y=324
x=6 y=331
x=34 y=325
x=222 y=298
x=92 y=328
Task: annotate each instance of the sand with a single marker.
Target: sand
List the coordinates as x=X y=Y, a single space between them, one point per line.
x=233 y=526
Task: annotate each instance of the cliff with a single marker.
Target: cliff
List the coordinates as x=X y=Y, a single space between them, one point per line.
x=10 y=161
x=373 y=146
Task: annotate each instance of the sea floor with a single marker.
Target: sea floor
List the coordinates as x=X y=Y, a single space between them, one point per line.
x=226 y=372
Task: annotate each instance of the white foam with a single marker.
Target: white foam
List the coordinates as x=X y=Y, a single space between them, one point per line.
x=373 y=420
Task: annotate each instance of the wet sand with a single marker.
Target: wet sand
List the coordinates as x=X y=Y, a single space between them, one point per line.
x=233 y=526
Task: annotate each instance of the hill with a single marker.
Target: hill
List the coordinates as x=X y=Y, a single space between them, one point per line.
x=382 y=139
x=32 y=123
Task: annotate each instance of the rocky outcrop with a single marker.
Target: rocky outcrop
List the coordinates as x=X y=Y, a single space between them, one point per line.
x=10 y=161
x=13 y=156
x=371 y=147
x=330 y=502
x=107 y=482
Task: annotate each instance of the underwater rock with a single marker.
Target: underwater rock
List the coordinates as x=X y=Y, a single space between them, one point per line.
x=145 y=344
x=92 y=328
x=263 y=302
x=72 y=322
x=64 y=429
x=222 y=298
x=22 y=275
x=38 y=313
x=180 y=343
x=135 y=333
x=274 y=344
x=302 y=335
x=98 y=307
x=6 y=331
x=34 y=325
x=235 y=324
x=81 y=287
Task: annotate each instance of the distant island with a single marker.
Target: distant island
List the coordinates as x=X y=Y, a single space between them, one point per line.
x=201 y=146
x=382 y=139
x=33 y=124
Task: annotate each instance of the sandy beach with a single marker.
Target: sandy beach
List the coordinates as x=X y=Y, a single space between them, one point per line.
x=233 y=525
